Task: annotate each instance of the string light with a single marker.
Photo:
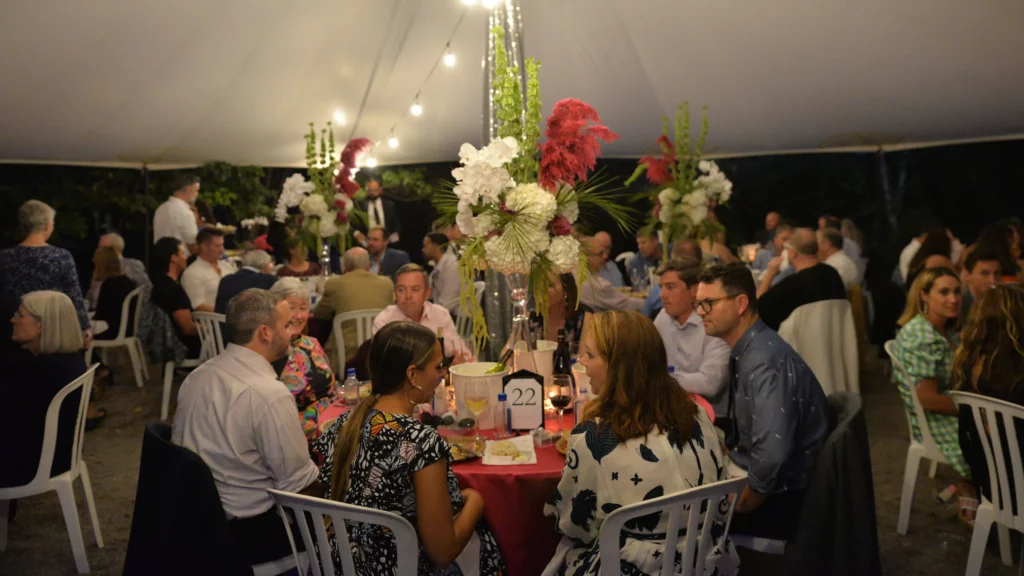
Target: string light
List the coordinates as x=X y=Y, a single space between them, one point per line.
x=393 y=142
x=371 y=162
x=416 y=109
x=489 y=4
x=339 y=118
x=449 y=56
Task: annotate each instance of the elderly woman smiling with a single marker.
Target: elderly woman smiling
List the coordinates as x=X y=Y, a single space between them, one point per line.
x=306 y=371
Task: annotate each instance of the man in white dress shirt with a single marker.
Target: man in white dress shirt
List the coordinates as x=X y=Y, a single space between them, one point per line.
x=444 y=280
x=412 y=290
x=830 y=251
x=202 y=277
x=176 y=218
x=235 y=414
x=907 y=255
x=597 y=292
x=701 y=362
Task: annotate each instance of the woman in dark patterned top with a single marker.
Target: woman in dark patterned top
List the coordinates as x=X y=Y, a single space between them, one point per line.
x=35 y=265
x=378 y=456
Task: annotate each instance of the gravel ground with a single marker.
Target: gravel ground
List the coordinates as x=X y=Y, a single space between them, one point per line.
x=936 y=544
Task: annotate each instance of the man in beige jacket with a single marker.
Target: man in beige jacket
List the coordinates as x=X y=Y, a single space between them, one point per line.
x=356 y=289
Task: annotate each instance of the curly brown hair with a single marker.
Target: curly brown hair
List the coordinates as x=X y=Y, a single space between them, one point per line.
x=993 y=337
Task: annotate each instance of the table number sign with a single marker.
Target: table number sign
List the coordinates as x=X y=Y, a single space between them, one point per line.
x=525 y=400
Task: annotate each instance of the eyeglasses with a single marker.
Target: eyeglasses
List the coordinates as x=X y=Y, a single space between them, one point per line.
x=708 y=303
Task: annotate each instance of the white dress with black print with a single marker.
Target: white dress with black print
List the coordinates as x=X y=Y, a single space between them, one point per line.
x=602 y=475
x=391 y=448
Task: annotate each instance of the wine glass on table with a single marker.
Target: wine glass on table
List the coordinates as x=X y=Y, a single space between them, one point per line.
x=560 y=393
x=478 y=396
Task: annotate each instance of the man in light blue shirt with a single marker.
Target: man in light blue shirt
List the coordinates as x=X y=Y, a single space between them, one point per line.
x=610 y=271
x=701 y=362
x=764 y=256
x=648 y=253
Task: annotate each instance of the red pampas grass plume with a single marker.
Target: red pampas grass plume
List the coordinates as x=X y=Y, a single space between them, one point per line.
x=343 y=181
x=572 y=147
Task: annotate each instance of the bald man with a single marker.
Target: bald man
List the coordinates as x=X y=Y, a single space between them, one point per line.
x=602 y=247
x=811 y=281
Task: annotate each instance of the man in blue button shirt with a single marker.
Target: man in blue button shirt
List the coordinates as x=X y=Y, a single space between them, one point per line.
x=777 y=410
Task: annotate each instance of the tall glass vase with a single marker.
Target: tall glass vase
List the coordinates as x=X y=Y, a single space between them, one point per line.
x=520 y=342
x=325 y=259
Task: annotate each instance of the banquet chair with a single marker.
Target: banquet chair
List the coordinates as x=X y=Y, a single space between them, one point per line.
x=824 y=335
x=917 y=450
x=1003 y=460
x=61 y=483
x=309 y=511
x=210 y=337
x=364 y=329
x=131 y=309
x=170 y=367
x=625 y=257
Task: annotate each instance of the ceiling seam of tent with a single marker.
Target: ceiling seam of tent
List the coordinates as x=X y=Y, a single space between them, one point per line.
x=373 y=72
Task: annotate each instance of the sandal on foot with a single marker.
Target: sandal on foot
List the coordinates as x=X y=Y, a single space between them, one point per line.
x=967 y=506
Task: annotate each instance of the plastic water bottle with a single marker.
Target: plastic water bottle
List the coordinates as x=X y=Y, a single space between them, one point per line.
x=581 y=403
x=439 y=403
x=671 y=369
x=350 y=387
x=501 y=417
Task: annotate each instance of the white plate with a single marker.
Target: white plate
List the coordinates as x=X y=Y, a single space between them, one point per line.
x=523 y=443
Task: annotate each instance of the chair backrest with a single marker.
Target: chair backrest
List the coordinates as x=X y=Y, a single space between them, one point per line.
x=1001 y=450
x=824 y=335
x=210 y=337
x=309 y=511
x=50 y=428
x=681 y=507
x=364 y=329
x=922 y=420
x=625 y=256
x=131 y=308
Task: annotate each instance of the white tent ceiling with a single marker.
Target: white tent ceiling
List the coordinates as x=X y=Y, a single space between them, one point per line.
x=160 y=82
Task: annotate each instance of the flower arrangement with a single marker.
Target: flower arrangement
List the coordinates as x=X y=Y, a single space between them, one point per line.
x=516 y=200
x=250 y=223
x=322 y=207
x=689 y=188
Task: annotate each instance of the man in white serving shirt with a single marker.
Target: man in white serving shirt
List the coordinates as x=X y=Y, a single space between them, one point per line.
x=830 y=252
x=235 y=414
x=700 y=362
x=202 y=277
x=444 y=280
x=177 y=218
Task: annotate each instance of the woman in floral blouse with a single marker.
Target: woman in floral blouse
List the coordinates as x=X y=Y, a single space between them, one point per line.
x=924 y=352
x=306 y=371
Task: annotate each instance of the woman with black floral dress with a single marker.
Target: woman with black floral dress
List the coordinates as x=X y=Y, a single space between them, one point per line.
x=378 y=456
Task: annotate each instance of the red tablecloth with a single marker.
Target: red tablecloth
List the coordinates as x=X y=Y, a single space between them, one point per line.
x=514 y=498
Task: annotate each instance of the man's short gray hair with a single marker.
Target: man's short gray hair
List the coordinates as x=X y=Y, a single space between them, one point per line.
x=116 y=241
x=288 y=287
x=412 y=267
x=804 y=241
x=256 y=259
x=356 y=259
x=247 y=312
x=35 y=215
x=834 y=237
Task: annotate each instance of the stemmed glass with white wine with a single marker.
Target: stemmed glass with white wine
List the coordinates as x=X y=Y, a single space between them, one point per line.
x=560 y=393
x=478 y=397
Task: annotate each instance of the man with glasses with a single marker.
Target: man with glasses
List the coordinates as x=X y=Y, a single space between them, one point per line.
x=701 y=362
x=776 y=409
x=812 y=281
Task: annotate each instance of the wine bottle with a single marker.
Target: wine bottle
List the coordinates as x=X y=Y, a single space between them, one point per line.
x=562 y=361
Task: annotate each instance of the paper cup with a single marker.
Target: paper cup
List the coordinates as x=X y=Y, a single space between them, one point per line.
x=579 y=372
x=462 y=375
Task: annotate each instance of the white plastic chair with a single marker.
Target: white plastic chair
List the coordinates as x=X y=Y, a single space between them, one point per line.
x=987 y=413
x=625 y=256
x=364 y=329
x=62 y=483
x=678 y=507
x=309 y=511
x=917 y=450
x=139 y=366
x=169 y=369
x=210 y=337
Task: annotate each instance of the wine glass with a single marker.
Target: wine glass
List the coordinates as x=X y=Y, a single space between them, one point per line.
x=560 y=393
x=478 y=396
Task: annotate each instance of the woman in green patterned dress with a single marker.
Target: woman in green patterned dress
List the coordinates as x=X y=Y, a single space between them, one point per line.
x=924 y=350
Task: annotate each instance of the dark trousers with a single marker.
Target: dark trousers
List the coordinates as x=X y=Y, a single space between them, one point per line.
x=776 y=519
x=262 y=538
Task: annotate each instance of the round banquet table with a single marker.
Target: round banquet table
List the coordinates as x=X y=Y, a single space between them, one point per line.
x=514 y=498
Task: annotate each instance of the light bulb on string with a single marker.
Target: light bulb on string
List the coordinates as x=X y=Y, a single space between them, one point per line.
x=489 y=3
x=339 y=118
x=393 y=142
x=371 y=162
x=449 y=57
x=416 y=109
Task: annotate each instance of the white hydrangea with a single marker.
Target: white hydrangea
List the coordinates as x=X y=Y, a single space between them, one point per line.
x=314 y=205
x=294 y=191
x=328 y=224
x=532 y=201
x=718 y=186
x=504 y=257
x=570 y=209
x=345 y=200
x=564 y=253
x=698 y=197
x=668 y=196
x=696 y=214
x=473 y=226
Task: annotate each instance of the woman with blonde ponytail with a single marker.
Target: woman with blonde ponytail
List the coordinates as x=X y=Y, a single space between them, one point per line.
x=378 y=456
